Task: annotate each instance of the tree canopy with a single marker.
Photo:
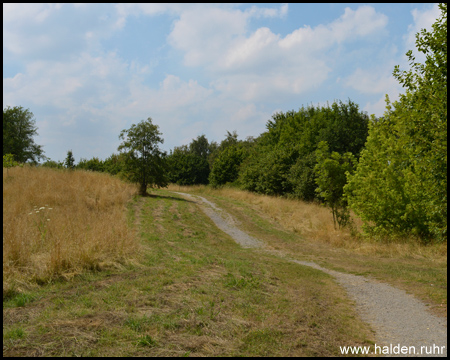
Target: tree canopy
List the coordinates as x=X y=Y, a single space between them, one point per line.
x=400 y=185
x=18 y=131
x=144 y=162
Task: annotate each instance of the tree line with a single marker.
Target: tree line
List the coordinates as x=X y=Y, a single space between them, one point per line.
x=391 y=171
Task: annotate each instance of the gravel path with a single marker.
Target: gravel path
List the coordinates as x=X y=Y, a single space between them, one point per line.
x=397 y=317
x=224 y=222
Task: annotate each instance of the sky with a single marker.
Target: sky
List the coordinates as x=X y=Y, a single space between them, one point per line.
x=88 y=71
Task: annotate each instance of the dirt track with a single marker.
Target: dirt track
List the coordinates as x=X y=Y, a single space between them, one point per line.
x=396 y=317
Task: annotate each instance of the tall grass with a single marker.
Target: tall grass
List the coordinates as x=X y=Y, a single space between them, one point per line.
x=57 y=223
x=315 y=222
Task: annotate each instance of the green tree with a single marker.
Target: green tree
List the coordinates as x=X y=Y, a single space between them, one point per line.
x=145 y=163
x=18 y=131
x=8 y=162
x=70 y=161
x=331 y=170
x=226 y=165
x=200 y=147
x=53 y=164
x=187 y=167
x=114 y=165
x=94 y=164
x=400 y=185
x=215 y=149
x=303 y=177
x=267 y=172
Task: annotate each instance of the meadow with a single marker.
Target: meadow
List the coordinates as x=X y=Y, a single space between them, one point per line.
x=58 y=223
x=90 y=269
x=305 y=231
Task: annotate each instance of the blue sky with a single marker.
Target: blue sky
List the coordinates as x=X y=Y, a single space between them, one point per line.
x=87 y=71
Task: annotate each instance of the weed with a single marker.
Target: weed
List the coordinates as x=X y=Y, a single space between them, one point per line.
x=14 y=334
x=147 y=341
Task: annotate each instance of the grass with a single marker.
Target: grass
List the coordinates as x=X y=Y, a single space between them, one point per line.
x=305 y=231
x=57 y=223
x=192 y=291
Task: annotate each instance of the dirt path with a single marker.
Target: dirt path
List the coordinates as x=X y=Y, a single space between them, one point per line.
x=397 y=317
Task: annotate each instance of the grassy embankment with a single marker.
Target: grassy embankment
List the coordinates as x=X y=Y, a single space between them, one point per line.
x=305 y=231
x=162 y=281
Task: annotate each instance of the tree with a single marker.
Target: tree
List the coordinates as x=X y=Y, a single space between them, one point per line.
x=94 y=164
x=18 y=131
x=187 y=167
x=8 y=162
x=226 y=165
x=200 y=147
x=70 y=161
x=267 y=172
x=53 y=164
x=331 y=170
x=145 y=163
x=303 y=177
x=400 y=185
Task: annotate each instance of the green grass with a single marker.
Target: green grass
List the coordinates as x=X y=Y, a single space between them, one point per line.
x=418 y=273
x=191 y=291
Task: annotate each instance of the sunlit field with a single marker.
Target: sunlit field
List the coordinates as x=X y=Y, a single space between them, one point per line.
x=57 y=223
x=315 y=222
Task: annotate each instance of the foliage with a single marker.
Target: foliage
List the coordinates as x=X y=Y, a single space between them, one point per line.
x=331 y=170
x=144 y=162
x=283 y=159
x=226 y=165
x=343 y=126
x=188 y=165
x=18 y=131
x=187 y=168
x=94 y=164
x=303 y=177
x=53 y=164
x=200 y=147
x=8 y=161
x=114 y=165
x=230 y=139
x=267 y=172
x=70 y=161
x=400 y=184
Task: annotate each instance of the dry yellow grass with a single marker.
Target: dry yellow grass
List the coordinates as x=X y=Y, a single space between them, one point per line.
x=57 y=223
x=315 y=222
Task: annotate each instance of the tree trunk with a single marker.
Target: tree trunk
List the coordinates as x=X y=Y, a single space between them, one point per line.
x=143 y=189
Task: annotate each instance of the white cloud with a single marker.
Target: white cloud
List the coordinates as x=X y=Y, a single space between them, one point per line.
x=262 y=64
x=422 y=20
x=372 y=81
x=96 y=92
x=36 y=13
x=203 y=35
x=357 y=23
x=257 y=12
x=247 y=50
